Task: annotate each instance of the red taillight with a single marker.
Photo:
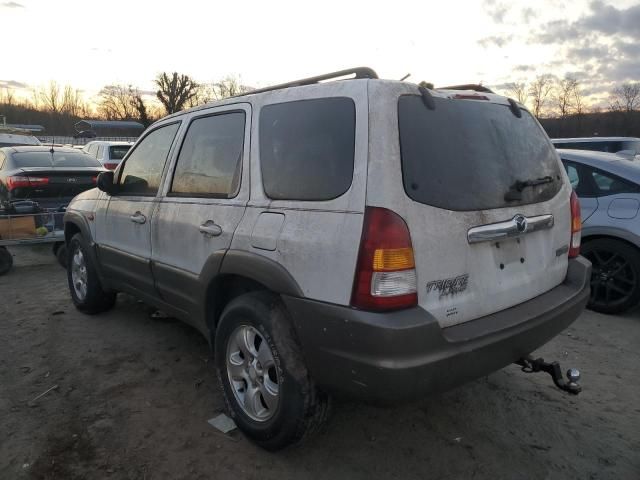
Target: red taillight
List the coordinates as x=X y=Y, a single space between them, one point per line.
x=25 y=182
x=38 y=181
x=576 y=226
x=385 y=274
x=111 y=166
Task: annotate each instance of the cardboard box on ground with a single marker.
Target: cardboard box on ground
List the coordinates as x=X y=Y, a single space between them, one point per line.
x=15 y=228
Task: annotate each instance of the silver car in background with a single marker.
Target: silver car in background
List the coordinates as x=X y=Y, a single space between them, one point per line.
x=627 y=147
x=608 y=187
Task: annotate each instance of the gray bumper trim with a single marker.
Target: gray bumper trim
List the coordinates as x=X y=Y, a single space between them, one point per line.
x=391 y=357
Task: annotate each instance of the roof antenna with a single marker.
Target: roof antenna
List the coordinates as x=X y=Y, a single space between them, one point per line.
x=405 y=77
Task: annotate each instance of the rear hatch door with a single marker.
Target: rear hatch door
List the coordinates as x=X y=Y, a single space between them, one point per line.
x=486 y=202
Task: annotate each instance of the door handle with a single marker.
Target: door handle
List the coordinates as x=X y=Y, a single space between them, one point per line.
x=210 y=229
x=138 y=217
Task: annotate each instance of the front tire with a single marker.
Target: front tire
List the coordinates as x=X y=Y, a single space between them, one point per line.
x=84 y=284
x=615 y=278
x=267 y=388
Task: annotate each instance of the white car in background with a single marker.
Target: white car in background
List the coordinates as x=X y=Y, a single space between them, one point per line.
x=627 y=147
x=108 y=153
x=11 y=138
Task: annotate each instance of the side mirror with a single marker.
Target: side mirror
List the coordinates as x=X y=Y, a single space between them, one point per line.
x=105 y=182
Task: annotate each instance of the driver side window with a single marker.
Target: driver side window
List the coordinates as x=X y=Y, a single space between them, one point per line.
x=142 y=171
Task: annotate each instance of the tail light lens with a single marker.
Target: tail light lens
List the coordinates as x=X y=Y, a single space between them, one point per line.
x=576 y=226
x=111 y=166
x=19 y=181
x=385 y=274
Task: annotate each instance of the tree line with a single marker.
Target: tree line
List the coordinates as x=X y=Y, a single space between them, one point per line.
x=58 y=107
x=559 y=103
x=561 y=107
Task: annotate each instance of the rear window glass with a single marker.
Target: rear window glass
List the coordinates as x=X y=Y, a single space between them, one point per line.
x=466 y=155
x=117 y=152
x=57 y=159
x=307 y=148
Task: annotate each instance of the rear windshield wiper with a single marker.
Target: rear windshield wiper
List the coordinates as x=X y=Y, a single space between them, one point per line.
x=515 y=190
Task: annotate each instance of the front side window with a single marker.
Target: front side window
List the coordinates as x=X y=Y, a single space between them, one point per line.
x=142 y=172
x=307 y=148
x=210 y=160
x=572 y=172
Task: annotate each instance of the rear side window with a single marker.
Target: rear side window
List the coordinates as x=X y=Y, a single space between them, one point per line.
x=210 y=159
x=307 y=148
x=610 y=184
x=467 y=154
x=143 y=169
x=117 y=152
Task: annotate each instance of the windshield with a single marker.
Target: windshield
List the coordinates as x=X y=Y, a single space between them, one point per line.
x=466 y=155
x=117 y=152
x=57 y=159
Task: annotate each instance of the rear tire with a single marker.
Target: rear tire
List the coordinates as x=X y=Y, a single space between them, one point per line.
x=84 y=284
x=6 y=260
x=275 y=403
x=615 y=279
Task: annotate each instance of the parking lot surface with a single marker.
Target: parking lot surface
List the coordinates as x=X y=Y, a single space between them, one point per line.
x=132 y=395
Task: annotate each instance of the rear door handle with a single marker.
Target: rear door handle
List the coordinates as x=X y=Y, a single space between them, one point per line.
x=210 y=229
x=138 y=217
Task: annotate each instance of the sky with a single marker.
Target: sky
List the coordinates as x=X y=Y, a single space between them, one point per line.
x=90 y=44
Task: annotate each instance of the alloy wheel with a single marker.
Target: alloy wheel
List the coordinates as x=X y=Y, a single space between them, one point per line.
x=79 y=274
x=253 y=374
x=613 y=279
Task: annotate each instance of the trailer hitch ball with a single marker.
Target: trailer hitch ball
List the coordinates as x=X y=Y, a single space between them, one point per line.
x=531 y=365
x=573 y=374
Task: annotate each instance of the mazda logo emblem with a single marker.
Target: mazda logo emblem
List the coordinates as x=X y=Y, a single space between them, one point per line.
x=521 y=223
x=72 y=180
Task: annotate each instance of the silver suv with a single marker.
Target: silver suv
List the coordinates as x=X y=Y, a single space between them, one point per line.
x=359 y=237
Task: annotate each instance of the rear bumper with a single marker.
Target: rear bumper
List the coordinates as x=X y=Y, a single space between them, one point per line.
x=399 y=356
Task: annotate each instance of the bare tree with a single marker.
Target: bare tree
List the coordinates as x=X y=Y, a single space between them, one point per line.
x=228 y=87
x=539 y=90
x=71 y=101
x=175 y=90
x=563 y=96
x=7 y=97
x=35 y=99
x=50 y=97
x=519 y=91
x=116 y=102
x=626 y=97
x=578 y=99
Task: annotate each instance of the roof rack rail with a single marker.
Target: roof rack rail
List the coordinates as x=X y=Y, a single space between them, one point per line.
x=358 y=72
x=469 y=86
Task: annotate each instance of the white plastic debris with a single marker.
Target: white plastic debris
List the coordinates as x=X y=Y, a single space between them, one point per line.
x=222 y=423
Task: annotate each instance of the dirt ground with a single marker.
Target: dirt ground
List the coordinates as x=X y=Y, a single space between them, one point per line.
x=134 y=394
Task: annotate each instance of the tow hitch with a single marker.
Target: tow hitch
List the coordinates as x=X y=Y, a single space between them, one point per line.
x=531 y=365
